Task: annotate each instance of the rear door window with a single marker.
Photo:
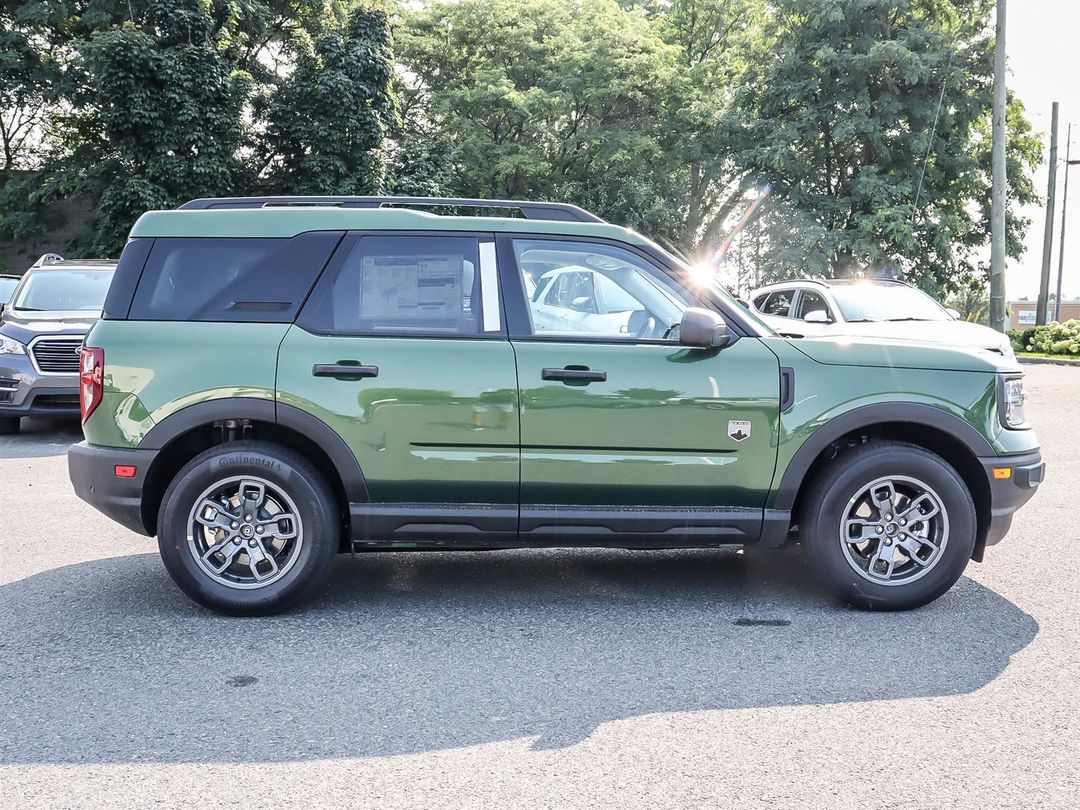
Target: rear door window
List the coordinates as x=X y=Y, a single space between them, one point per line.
x=408 y=285
x=230 y=279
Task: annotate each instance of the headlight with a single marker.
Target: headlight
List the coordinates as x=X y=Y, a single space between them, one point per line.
x=11 y=346
x=1011 y=406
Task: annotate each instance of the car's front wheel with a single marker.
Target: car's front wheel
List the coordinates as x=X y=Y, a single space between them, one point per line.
x=248 y=528
x=888 y=525
x=9 y=425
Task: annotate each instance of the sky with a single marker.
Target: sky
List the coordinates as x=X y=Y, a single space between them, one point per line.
x=1042 y=43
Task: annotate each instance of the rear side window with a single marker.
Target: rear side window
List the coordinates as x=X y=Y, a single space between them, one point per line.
x=407 y=285
x=230 y=279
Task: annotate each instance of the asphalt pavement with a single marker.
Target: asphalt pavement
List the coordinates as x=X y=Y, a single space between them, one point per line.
x=536 y=678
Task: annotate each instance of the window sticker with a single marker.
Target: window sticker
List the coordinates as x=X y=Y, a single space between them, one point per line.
x=402 y=287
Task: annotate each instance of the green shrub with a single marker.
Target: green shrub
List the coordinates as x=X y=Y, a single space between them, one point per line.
x=1053 y=338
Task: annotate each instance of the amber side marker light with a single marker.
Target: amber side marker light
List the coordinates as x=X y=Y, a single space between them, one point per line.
x=1002 y=473
x=124 y=471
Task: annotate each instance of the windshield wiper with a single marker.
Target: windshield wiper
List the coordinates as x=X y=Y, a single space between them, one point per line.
x=909 y=318
x=28 y=309
x=860 y=320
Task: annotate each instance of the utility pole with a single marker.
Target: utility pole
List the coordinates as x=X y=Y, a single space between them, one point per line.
x=1048 y=232
x=997 y=198
x=1064 y=206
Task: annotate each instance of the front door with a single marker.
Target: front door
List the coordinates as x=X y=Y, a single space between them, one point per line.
x=624 y=432
x=402 y=351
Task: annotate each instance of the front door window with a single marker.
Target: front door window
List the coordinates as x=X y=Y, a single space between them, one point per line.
x=586 y=290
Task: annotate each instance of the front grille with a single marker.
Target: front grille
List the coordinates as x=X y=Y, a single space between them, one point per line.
x=59 y=355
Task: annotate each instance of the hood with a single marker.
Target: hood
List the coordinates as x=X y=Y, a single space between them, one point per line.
x=849 y=350
x=24 y=326
x=950 y=333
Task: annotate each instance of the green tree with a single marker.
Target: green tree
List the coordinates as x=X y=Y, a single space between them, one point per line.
x=329 y=119
x=154 y=102
x=843 y=109
x=549 y=99
x=156 y=119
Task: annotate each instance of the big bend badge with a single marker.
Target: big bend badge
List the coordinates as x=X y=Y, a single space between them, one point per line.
x=738 y=430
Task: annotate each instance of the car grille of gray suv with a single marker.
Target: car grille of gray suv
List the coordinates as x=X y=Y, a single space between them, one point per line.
x=57 y=355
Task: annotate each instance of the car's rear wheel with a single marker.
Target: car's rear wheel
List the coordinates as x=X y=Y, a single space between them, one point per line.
x=248 y=528
x=9 y=425
x=888 y=525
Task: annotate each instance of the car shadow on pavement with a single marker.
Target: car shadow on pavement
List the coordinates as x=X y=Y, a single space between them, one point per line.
x=39 y=438
x=106 y=661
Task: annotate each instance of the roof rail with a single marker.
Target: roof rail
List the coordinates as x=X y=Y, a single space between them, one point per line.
x=562 y=212
x=47 y=258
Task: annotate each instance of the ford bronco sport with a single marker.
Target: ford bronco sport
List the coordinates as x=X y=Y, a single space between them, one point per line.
x=276 y=380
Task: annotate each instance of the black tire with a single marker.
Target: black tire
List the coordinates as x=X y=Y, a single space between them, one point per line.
x=287 y=474
x=826 y=505
x=9 y=425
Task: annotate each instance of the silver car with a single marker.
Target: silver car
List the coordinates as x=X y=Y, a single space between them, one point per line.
x=41 y=333
x=875 y=308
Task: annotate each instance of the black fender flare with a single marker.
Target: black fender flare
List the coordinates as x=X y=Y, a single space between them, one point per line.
x=265 y=410
x=867 y=416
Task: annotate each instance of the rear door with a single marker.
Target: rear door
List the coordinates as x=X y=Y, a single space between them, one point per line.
x=402 y=350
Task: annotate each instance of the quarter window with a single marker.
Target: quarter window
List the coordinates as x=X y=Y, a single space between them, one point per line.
x=260 y=280
x=423 y=285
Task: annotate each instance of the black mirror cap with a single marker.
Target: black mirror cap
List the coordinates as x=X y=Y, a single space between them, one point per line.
x=704 y=329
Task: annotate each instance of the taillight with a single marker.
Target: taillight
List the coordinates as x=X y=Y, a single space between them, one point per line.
x=91 y=374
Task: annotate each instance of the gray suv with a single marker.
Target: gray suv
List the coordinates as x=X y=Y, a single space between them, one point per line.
x=41 y=333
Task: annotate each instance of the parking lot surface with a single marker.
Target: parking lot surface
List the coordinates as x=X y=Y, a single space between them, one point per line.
x=540 y=679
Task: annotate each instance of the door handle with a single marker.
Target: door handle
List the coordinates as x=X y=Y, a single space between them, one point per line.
x=573 y=374
x=345 y=370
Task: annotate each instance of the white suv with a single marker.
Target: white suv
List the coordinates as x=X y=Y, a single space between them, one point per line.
x=868 y=308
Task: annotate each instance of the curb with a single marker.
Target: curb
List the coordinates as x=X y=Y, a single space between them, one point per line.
x=1046 y=361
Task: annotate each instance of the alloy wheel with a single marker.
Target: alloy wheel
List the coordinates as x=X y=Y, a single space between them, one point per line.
x=894 y=530
x=244 y=532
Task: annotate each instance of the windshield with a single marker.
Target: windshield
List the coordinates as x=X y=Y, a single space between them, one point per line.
x=892 y=302
x=7 y=287
x=64 y=291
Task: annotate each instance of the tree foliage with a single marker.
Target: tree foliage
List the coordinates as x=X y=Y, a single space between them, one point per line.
x=159 y=101
x=869 y=120
x=845 y=116
x=330 y=117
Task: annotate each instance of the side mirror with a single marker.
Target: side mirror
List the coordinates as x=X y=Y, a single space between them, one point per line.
x=817 y=316
x=580 y=304
x=704 y=329
x=955 y=314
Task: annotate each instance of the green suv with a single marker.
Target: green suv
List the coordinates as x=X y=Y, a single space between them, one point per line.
x=276 y=380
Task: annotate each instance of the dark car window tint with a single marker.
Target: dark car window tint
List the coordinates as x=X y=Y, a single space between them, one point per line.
x=402 y=285
x=261 y=280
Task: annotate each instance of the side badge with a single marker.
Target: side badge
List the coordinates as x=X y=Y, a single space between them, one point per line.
x=738 y=430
